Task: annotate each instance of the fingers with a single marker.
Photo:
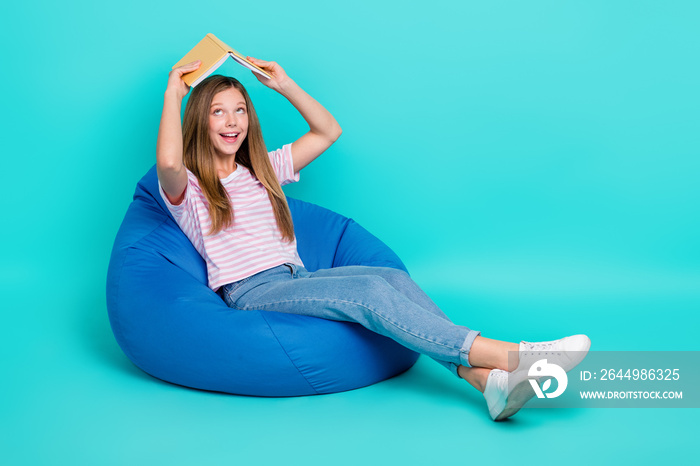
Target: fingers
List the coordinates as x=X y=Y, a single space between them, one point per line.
x=260 y=63
x=188 y=67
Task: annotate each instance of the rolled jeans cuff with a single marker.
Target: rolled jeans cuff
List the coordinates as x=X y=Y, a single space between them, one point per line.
x=467 y=346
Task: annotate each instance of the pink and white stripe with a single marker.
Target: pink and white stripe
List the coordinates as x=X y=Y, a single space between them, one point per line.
x=253 y=243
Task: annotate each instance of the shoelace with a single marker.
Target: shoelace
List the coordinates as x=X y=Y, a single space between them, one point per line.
x=544 y=346
x=499 y=377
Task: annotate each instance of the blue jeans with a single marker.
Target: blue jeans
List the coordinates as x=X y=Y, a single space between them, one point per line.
x=384 y=300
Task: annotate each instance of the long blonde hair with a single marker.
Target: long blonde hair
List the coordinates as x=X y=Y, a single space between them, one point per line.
x=199 y=157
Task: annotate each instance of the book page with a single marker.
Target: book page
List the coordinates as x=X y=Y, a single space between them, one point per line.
x=239 y=58
x=209 y=71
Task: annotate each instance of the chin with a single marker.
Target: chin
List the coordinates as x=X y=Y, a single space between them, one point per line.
x=227 y=151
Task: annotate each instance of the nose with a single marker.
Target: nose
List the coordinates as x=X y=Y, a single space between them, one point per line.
x=231 y=120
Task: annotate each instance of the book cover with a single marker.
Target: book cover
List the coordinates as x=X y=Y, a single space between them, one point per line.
x=213 y=52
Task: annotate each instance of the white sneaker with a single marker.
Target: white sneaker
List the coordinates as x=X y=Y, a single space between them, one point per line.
x=504 y=395
x=507 y=392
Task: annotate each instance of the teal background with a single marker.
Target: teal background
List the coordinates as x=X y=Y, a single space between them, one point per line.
x=535 y=165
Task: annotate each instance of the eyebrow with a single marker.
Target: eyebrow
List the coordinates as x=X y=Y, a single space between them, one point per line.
x=219 y=103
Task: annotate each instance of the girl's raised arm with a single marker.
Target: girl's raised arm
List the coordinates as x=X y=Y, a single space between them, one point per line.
x=171 y=171
x=324 y=130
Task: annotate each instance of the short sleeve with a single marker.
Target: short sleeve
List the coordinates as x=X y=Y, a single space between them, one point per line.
x=283 y=165
x=178 y=211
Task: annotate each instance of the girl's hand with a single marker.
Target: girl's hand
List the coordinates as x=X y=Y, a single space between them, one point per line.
x=279 y=77
x=175 y=82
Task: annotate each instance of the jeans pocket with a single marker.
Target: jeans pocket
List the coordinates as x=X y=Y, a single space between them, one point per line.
x=229 y=291
x=292 y=268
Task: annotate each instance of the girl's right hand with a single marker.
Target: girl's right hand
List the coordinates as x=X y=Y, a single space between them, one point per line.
x=175 y=82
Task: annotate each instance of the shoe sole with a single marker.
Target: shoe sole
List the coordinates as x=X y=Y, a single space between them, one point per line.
x=517 y=398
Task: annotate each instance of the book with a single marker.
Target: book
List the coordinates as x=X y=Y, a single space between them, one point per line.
x=213 y=53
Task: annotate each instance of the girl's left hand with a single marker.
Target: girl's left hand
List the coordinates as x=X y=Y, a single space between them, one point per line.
x=279 y=77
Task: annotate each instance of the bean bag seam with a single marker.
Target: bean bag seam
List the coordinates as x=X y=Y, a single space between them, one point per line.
x=382 y=262
x=340 y=237
x=117 y=321
x=262 y=314
x=145 y=236
x=136 y=244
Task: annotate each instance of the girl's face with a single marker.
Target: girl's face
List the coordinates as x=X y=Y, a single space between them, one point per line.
x=228 y=121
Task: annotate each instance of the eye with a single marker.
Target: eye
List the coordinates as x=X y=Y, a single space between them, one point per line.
x=217 y=111
x=240 y=110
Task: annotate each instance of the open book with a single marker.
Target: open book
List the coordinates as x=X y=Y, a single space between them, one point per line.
x=213 y=54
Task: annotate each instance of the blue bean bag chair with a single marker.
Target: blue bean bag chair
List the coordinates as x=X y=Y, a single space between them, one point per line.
x=172 y=326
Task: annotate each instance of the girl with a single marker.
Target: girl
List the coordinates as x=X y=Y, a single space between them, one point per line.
x=224 y=190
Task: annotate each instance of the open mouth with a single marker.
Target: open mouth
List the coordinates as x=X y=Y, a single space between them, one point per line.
x=230 y=137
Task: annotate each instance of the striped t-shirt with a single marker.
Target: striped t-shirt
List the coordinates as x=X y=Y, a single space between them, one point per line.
x=253 y=242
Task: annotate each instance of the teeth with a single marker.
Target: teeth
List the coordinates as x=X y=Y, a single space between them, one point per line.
x=230 y=135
